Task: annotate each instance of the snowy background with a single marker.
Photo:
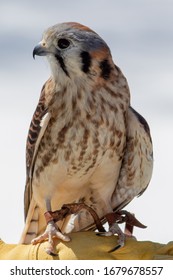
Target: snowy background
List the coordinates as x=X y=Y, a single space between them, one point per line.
x=140 y=35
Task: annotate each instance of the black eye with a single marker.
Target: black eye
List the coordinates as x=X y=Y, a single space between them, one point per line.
x=63 y=43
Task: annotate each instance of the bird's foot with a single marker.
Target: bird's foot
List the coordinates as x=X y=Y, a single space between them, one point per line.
x=114 y=229
x=120 y=217
x=50 y=233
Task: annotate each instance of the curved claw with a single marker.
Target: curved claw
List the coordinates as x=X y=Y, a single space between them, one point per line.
x=115 y=248
x=107 y=233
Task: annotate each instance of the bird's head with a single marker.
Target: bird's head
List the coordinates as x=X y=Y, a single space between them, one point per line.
x=74 y=51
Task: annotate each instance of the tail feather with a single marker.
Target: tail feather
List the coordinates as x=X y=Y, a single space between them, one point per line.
x=31 y=228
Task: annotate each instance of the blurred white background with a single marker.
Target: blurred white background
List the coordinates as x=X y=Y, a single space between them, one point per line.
x=140 y=35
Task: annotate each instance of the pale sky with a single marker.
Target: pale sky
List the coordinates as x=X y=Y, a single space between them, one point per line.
x=140 y=35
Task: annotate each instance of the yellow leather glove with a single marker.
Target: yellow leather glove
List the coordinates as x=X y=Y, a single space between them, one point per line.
x=89 y=246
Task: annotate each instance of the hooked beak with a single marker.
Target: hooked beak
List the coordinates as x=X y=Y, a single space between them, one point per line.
x=40 y=50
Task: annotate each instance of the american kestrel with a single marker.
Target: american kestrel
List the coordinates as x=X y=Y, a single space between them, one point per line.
x=85 y=142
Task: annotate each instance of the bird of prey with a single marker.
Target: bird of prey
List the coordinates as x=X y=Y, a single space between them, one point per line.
x=85 y=142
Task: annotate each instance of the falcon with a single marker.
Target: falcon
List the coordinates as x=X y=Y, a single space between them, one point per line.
x=85 y=142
